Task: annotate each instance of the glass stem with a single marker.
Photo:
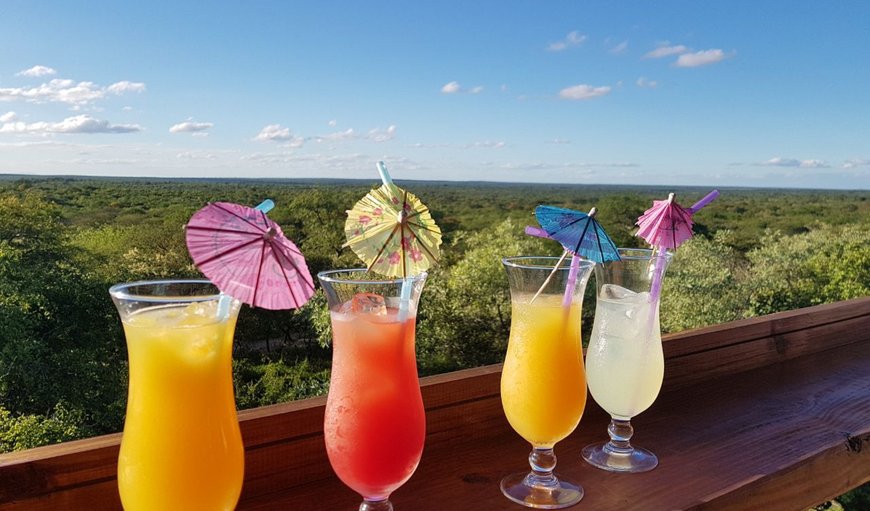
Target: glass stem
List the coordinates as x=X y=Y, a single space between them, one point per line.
x=620 y=432
x=376 y=505
x=542 y=461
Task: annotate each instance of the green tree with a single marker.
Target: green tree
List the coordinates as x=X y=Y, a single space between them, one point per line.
x=59 y=339
x=705 y=284
x=465 y=314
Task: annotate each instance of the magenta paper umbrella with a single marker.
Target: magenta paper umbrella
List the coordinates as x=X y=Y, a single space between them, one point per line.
x=248 y=257
x=666 y=225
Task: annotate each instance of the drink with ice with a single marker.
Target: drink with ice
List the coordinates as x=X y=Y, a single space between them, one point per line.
x=624 y=361
x=625 y=364
x=181 y=447
x=374 y=426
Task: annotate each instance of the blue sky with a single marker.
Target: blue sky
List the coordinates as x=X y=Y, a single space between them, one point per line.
x=739 y=93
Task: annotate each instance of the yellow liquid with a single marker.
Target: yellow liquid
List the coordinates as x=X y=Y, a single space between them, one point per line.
x=181 y=448
x=543 y=383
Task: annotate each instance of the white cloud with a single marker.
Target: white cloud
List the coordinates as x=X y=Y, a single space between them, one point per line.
x=559 y=141
x=666 y=50
x=619 y=48
x=190 y=126
x=37 y=71
x=644 y=83
x=382 y=135
x=77 y=124
x=455 y=88
x=487 y=144
x=338 y=136
x=332 y=123
x=67 y=91
x=795 y=163
x=195 y=155
x=121 y=87
x=8 y=117
x=700 y=58
x=573 y=38
x=583 y=91
x=860 y=162
x=274 y=133
x=450 y=88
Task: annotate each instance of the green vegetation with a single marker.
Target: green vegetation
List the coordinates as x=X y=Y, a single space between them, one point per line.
x=63 y=242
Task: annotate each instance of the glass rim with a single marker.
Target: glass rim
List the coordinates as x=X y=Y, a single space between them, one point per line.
x=331 y=277
x=641 y=254
x=517 y=262
x=120 y=291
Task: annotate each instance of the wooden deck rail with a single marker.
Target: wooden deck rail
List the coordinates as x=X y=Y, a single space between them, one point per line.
x=767 y=413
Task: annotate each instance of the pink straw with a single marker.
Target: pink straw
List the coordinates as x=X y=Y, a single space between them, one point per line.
x=568 y=297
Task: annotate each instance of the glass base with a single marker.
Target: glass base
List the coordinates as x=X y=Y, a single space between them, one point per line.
x=376 y=505
x=560 y=495
x=604 y=456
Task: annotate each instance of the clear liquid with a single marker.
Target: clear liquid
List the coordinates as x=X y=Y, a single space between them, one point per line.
x=624 y=361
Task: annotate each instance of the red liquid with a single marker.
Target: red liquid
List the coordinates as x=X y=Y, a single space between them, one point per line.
x=374 y=425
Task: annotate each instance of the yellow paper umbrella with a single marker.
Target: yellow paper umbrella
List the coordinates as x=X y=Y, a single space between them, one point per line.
x=392 y=231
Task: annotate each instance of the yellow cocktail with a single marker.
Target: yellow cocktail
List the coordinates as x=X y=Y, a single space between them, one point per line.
x=181 y=447
x=543 y=385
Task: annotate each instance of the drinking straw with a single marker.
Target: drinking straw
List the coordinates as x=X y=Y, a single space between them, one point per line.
x=407 y=283
x=572 y=281
x=265 y=206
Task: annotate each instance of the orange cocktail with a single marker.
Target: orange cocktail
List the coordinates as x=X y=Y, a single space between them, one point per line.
x=375 y=425
x=181 y=447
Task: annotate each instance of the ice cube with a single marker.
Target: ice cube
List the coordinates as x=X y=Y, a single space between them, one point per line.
x=369 y=303
x=614 y=292
x=198 y=313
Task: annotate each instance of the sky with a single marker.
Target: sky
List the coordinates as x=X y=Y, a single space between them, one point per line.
x=715 y=93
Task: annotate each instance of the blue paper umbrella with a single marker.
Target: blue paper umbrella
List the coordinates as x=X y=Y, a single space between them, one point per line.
x=577 y=232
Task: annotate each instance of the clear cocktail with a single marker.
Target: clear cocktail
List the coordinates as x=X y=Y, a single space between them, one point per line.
x=181 y=447
x=624 y=360
x=543 y=384
x=375 y=426
x=625 y=364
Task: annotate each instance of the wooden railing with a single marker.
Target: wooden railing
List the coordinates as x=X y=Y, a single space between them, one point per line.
x=767 y=413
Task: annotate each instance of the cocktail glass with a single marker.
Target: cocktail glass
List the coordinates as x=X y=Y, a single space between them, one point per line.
x=374 y=425
x=181 y=447
x=543 y=385
x=624 y=361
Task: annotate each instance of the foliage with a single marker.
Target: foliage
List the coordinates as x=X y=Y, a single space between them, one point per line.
x=465 y=317
x=27 y=431
x=823 y=265
x=278 y=381
x=704 y=284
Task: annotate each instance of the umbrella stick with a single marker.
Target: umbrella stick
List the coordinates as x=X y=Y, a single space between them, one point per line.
x=550 y=276
x=407 y=283
x=572 y=281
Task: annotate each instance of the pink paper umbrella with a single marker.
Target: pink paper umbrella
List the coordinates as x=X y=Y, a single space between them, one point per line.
x=666 y=225
x=248 y=257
